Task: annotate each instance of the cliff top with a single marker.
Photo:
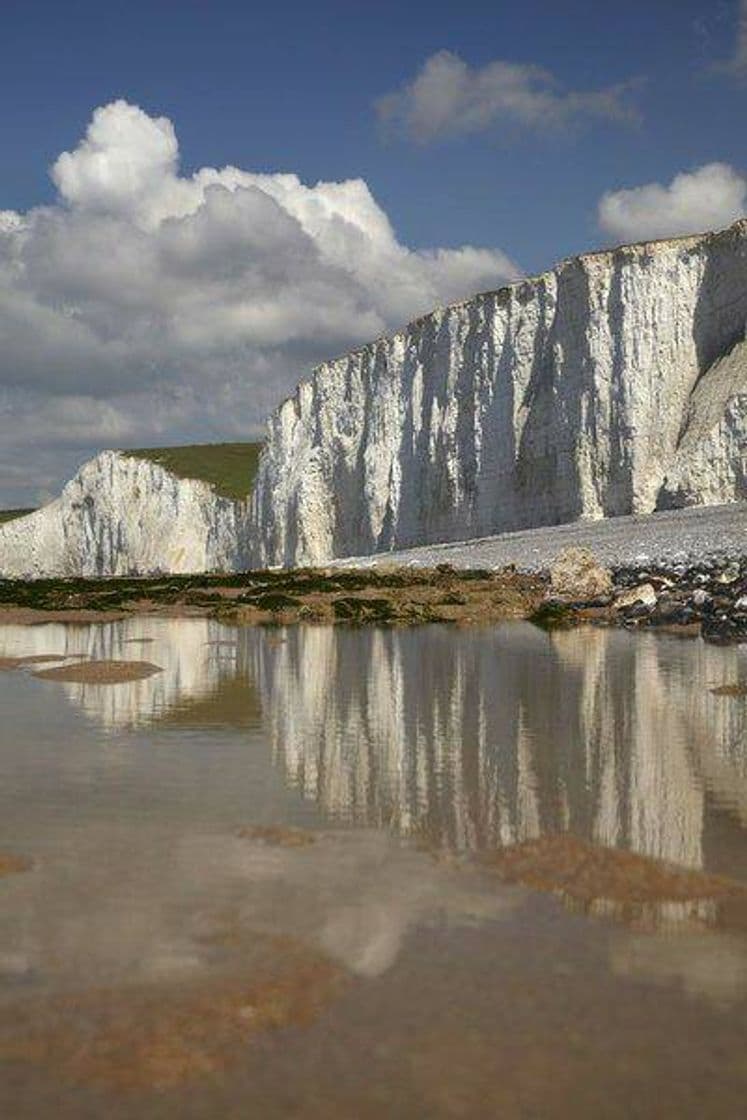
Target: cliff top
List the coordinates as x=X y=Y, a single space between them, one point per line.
x=228 y=467
x=607 y=254
x=635 y=248
x=12 y=514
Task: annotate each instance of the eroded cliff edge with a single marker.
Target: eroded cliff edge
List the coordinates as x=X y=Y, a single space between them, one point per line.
x=614 y=384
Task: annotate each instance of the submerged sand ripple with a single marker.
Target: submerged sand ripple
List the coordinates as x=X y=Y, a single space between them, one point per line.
x=100 y=672
x=132 y=1038
x=587 y=872
x=277 y=835
x=11 y=865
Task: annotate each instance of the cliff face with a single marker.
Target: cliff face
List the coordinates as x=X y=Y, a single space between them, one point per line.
x=614 y=384
x=123 y=515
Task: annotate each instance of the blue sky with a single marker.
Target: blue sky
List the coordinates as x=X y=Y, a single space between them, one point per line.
x=497 y=126
x=291 y=87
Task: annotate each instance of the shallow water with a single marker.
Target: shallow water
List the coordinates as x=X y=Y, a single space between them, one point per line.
x=157 y=963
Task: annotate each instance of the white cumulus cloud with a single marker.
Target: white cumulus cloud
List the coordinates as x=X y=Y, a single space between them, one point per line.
x=709 y=197
x=144 y=305
x=447 y=98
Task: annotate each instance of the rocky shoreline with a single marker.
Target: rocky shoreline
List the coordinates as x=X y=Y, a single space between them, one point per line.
x=710 y=594
x=707 y=596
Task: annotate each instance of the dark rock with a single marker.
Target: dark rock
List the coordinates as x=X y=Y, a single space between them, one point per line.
x=360 y=610
x=636 y=611
x=724 y=630
x=275 y=601
x=553 y=614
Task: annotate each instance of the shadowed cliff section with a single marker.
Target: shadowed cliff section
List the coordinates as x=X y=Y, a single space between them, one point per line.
x=712 y=450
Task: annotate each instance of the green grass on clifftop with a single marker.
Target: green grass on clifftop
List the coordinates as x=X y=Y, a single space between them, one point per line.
x=229 y=468
x=12 y=514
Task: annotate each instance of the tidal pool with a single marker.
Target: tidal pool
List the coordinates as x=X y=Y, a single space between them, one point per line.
x=264 y=878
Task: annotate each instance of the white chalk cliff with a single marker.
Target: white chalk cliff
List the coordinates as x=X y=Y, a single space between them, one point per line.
x=614 y=384
x=124 y=515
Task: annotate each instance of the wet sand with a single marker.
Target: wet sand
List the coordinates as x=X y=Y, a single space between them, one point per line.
x=391 y=596
x=161 y=1036
x=730 y=690
x=277 y=836
x=702 y=599
x=586 y=872
x=13 y=865
x=100 y=672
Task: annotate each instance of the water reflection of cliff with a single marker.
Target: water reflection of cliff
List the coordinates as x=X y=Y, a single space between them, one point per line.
x=485 y=738
x=202 y=678
x=466 y=738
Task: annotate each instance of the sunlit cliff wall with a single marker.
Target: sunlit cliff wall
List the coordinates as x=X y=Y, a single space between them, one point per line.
x=121 y=515
x=610 y=385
